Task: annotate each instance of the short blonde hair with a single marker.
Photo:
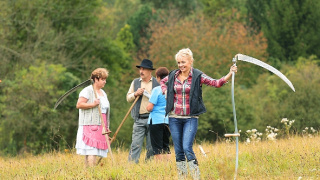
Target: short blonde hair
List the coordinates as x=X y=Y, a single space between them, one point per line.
x=186 y=52
x=99 y=73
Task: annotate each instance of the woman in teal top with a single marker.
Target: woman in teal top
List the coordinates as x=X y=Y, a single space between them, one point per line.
x=158 y=122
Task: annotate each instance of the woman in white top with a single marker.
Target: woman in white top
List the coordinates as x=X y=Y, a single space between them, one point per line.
x=90 y=140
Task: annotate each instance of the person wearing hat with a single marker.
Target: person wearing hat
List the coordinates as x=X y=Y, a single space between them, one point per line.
x=139 y=112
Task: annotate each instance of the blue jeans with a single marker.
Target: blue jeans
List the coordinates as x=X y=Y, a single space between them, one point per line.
x=183 y=132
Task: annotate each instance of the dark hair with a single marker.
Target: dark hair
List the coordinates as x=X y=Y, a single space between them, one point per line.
x=162 y=72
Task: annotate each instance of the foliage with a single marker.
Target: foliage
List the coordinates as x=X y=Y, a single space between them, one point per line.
x=73 y=39
x=119 y=13
x=221 y=11
x=272 y=99
x=291 y=27
x=139 y=23
x=29 y=122
x=125 y=37
x=69 y=32
x=184 y=7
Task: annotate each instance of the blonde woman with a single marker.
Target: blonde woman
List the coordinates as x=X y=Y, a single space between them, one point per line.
x=90 y=140
x=184 y=105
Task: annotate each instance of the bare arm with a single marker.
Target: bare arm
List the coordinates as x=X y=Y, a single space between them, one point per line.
x=233 y=68
x=150 y=107
x=83 y=103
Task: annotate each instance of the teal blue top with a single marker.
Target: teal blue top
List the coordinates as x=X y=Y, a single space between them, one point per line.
x=159 y=109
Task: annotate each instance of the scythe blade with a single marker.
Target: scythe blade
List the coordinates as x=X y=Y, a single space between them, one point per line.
x=255 y=61
x=83 y=84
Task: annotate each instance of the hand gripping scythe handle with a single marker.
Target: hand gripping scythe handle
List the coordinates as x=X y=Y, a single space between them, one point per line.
x=124 y=119
x=103 y=127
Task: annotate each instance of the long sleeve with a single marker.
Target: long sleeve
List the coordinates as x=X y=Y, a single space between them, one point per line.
x=130 y=94
x=207 y=80
x=163 y=84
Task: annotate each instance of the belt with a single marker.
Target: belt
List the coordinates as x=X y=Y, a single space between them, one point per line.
x=144 y=116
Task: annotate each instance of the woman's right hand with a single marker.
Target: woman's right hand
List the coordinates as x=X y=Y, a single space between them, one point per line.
x=96 y=102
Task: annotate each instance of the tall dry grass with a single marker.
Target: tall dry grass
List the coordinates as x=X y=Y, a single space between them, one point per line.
x=294 y=158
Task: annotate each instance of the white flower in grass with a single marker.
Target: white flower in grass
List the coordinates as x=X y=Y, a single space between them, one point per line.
x=284 y=120
x=248 y=131
x=248 y=140
x=254 y=135
x=254 y=130
x=276 y=130
x=272 y=136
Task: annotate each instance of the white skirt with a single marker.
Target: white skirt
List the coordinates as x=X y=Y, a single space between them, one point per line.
x=83 y=149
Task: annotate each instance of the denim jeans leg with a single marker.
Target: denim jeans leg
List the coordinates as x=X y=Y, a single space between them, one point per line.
x=189 y=133
x=176 y=128
x=138 y=133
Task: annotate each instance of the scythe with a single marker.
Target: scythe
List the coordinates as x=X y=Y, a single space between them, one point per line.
x=84 y=84
x=89 y=82
x=241 y=57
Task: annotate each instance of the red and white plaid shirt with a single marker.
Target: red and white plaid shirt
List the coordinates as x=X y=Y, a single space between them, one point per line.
x=182 y=90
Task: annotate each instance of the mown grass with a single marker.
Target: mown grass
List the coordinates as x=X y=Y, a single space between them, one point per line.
x=294 y=158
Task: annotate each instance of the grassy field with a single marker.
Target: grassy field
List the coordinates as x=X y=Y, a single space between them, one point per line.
x=294 y=158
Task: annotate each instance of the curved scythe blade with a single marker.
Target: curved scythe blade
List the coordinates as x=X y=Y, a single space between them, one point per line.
x=255 y=61
x=83 y=84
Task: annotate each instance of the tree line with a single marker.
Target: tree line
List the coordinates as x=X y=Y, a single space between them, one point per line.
x=47 y=47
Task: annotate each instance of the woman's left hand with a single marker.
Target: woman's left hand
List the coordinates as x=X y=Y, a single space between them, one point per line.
x=233 y=68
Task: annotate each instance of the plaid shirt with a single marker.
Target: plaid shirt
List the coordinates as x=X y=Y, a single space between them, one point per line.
x=182 y=90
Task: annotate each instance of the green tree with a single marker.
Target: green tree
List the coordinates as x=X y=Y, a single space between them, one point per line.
x=221 y=11
x=70 y=28
x=271 y=99
x=120 y=12
x=291 y=26
x=29 y=122
x=184 y=7
x=76 y=40
x=125 y=38
x=139 y=23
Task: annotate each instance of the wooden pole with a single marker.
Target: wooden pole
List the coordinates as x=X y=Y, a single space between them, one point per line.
x=124 y=119
x=103 y=127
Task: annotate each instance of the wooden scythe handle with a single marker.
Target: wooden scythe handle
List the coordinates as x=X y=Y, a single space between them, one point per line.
x=232 y=135
x=103 y=127
x=124 y=119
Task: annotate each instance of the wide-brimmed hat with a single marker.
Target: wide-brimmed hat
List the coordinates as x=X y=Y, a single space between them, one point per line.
x=146 y=63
